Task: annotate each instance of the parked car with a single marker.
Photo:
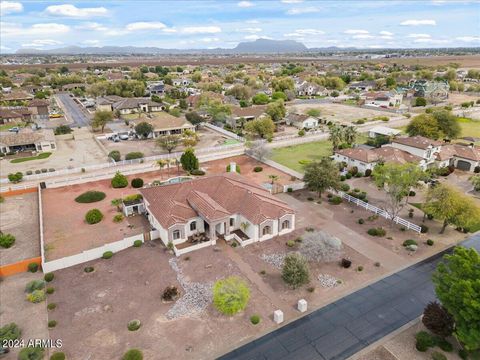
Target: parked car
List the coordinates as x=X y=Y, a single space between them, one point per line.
x=14 y=129
x=123 y=137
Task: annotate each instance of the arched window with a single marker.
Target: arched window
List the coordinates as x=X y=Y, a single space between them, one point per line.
x=267 y=230
x=285 y=224
x=176 y=234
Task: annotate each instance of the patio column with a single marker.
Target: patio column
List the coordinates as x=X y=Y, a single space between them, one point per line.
x=227 y=227
x=213 y=235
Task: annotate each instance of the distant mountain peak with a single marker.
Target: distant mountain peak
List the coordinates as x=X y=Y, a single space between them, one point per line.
x=270 y=46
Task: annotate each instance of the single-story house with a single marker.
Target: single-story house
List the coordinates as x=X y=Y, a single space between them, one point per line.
x=301 y=121
x=38 y=109
x=224 y=206
x=16 y=95
x=362 y=85
x=462 y=156
x=28 y=140
x=166 y=124
x=383 y=98
x=181 y=82
x=129 y=105
x=15 y=115
x=245 y=113
x=156 y=88
x=383 y=130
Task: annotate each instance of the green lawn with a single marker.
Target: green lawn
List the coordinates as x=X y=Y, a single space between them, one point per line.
x=230 y=142
x=5 y=127
x=291 y=155
x=38 y=157
x=469 y=127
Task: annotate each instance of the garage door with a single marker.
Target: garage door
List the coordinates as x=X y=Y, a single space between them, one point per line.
x=463 y=165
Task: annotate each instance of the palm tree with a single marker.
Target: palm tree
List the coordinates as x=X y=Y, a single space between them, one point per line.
x=336 y=135
x=117 y=203
x=350 y=135
x=161 y=164
x=273 y=178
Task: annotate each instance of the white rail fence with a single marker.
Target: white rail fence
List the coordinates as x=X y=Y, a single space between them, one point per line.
x=381 y=212
x=224 y=132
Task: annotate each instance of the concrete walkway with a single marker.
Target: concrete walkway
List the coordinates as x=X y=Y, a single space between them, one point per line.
x=348 y=325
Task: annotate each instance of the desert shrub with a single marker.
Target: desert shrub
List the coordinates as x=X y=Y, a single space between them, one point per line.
x=107 y=255
x=28 y=172
x=361 y=221
x=360 y=268
x=197 y=172
x=295 y=270
x=52 y=323
x=359 y=174
x=10 y=332
x=32 y=267
x=321 y=247
x=89 y=269
x=254 y=319
x=342 y=177
x=377 y=264
x=34 y=285
x=335 y=200
x=258 y=169
x=36 y=296
x=48 y=277
x=376 y=232
x=444 y=345
x=423 y=229
x=346 y=263
x=118 y=218
x=115 y=155
x=290 y=243
x=353 y=170
x=424 y=341
x=90 y=197
x=133 y=354
x=119 y=181
x=58 y=356
x=51 y=306
x=309 y=229
x=230 y=295
x=409 y=242
x=301 y=132
x=437 y=319
x=7 y=240
x=430 y=242
x=170 y=293
x=345 y=187
x=438 y=356
x=93 y=216
x=134 y=325
x=311 y=289
x=50 y=290
x=134 y=155
x=31 y=353
x=237 y=168
x=137 y=243
x=137 y=183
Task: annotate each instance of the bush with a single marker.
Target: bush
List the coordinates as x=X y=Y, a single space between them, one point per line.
x=424 y=341
x=31 y=353
x=409 y=242
x=258 y=169
x=15 y=177
x=230 y=295
x=93 y=216
x=361 y=221
x=360 y=268
x=36 y=296
x=290 y=243
x=32 y=267
x=50 y=290
x=62 y=130
x=295 y=270
x=346 y=263
x=336 y=200
x=321 y=247
x=310 y=198
x=134 y=325
x=34 y=285
x=133 y=354
x=58 y=356
x=376 y=232
x=137 y=243
x=52 y=323
x=90 y=197
x=170 y=293
x=254 y=319
x=107 y=255
x=463 y=354
x=423 y=229
x=51 y=306
x=9 y=332
x=342 y=177
x=237 y=168
x=301 y=132
x=115 y=155
x=344 y=187
x=134 y=155
x=430 y=242
x=437 y=319
x=348 y=175
x=7 y=240
x=118 y=218
x=48 y=277
x=119 y=181
x=197 y=172
x=137 y=183
x=438 y=356
x=89 y=269
x=444 y=345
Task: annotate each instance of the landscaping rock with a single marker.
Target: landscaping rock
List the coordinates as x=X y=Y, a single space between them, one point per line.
x=327 y=281
x=275 y=259
x=411 y=247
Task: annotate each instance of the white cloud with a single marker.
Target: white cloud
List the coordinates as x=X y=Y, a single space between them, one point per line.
x=208 y=40
x=386 y=33
x=468 y=38
x=430 y=41
x=40 y=43
x=256 y=37
x=303 y=32
x=250 y=30
x=17 y=30
x=143 y=25
x=375 y=46
x=202 y=30
x=292 y=1
x=386 y=37
x=9 y=7
x=69 y=10
x=252 y=22
x=362 y=36
x=93 y=26
x=91 y=42
x=303 y=10
x=355 y=31
x=418 y=22
x=416 y=36
x=245 y=4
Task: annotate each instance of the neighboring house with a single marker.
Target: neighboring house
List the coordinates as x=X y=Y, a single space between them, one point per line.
x=105 y=103
x=433 y=90
x=383 y=130
x=16 y=95
x=15 y=115
x=245 y=114
x=302 y=121
x=224 y=206
x=383 y=98
x=166 y=124
x=181 y=82
x=307 y=89
x=38 y=109
x=28 y=140
x=419 y=146
x=129 y=105
x=463 y=157
x=156 y=88
x=362 y=85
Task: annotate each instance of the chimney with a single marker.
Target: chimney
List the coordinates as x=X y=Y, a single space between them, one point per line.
x=233 y=167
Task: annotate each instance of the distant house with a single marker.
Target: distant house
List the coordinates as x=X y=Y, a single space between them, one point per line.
x=156 y=88
x=166 y=124
x=433 y=90
x=38 y=109
x=307 y=89
x=362 y=85
x=245 y=113
x=14 y=115
x=181 y=82
x=383 y=98
x=301 y=121
x=128 y=105
x=463 y=157
x=28 y=140
x=15 y=96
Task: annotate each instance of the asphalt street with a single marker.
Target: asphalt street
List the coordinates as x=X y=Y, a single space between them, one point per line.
x=342 y=328
x=73 y=111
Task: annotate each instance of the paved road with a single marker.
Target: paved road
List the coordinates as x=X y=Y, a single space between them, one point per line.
x=73 y=111
x=346 y=326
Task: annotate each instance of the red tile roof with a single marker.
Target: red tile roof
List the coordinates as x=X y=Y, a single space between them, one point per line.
x=419 y=142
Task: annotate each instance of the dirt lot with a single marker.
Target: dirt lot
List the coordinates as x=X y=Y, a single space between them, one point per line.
x=19 y=217
x=458 y=98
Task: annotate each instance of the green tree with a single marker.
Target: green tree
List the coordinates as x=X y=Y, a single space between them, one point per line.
x=451 y=206
x=15 y=177
x=295 y=270
x=189 y=161
x=424 y=125
x=133 y=354
x=263 y=127
x=350 y=135
x=321 y=176
x=197 y=77
x=475 y=180
x=230 y=295
x=168 y=142
x=447 y=123
x=390 y=82
x=279 y=95
x=282 y=84
x=276 y=110
x=240 y=92
x=193 y=117
x=101 y=118
x=119 y=180
x=336 y=135
x=420 y=101
x=143 y=129
x=260 y=99
x=457 y=285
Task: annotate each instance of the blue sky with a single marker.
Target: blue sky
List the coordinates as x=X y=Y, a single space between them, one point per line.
x=210 y=24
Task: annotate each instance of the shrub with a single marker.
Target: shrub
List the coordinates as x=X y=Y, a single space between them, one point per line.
x=50 y=290
x=49 y=277
x=10 y=332
x=133 y=354
x=342 y=177
x=430 y=242
x=321 y=247
x=437 y=319
x=444 y=345
x=424 y=341
x=58 y=356
x=28 y=172
x=311 y=289
x=107 y=255
x=115 y=155
x=237 y=168
x=36 y=296
x=89 y=269
x=32 y=267
x=188 y=160
x=137 y=183
x=295 y=270
x=52 y=323
x=290 y=243
x=360 y=268
x=463 y=354
x=93 y=216
x=90 y=197
x=301 y=132
x=377 y=264
x=137 y=243
x=118 y=218
x=230 y=295
x=170 y=293
x=423 y=229
x=134 y=155
x=348 y=176
x=335 y=200
x=409 y=242
x=31 y=353
x=197 y=172
x=254 y=319
x=258 y=169
x=361 y=221
x=438 y=356
x=376 y=232
x=344 y=187
x=119 y=181
x=346 y=263
x=7 y=240
x=134 y=325
x=15 y=177
x=51 y=306
x=34 y=285
x=412 y=193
